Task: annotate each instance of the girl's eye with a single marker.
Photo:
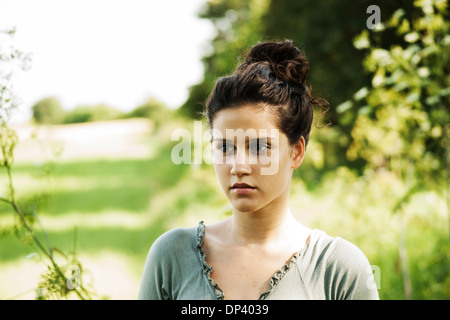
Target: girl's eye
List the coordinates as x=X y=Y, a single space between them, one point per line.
x=225 y=147
x=256 y=148
x=259 y=147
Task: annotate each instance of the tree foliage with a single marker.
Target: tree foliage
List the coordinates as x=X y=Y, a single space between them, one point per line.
x=402 y=122
x=238 y=26
x=11 y=59
x=99 y=112
x=153 y=109
x=48 y=111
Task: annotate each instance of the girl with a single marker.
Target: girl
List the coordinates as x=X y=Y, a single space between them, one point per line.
x=260 y=118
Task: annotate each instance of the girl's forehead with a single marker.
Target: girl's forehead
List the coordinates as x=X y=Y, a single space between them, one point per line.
x=269 y=135
x=244 y=117
x=245 y=123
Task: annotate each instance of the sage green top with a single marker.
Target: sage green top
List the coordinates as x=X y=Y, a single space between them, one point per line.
x=326 y=268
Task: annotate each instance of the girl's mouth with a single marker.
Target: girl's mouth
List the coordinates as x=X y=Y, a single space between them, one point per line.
x=242 y=188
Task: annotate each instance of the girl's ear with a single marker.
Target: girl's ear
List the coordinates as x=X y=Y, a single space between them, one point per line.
x=298 y=153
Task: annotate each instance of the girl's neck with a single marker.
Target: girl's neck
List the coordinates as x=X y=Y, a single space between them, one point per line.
x=268 y=225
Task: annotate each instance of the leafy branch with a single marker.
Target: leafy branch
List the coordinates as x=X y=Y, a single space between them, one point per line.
x=55 y=283
x=402 y=119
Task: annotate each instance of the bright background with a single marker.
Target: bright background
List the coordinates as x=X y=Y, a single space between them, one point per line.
x=115 y=52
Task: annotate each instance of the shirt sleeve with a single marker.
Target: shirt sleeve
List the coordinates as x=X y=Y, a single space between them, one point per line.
x=154 y=281
x=350 y=273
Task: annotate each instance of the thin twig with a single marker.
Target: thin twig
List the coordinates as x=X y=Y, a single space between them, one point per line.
x=5 y=200
x=44 y=232
x=17 y=209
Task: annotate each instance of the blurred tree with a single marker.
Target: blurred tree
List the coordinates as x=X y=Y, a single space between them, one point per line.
x=325 y=29
x=48 y=111
x=238 y=26
x=100 y=112
x=78 y=114
x=153 y=109
x=403 y=117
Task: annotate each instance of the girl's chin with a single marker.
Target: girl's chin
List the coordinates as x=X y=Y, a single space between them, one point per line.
x=244 y=206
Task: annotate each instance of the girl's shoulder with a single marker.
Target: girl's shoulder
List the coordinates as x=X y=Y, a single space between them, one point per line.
x=337 y=250
x=343 y=267
x=175 y=241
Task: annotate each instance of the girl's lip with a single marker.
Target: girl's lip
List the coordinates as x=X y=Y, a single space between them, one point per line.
x=243 y=190
x=241 y=185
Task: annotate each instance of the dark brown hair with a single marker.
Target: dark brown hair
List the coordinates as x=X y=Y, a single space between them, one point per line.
x=273 y=76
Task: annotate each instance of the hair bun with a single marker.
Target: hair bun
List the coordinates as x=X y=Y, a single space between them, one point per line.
x=286 y=61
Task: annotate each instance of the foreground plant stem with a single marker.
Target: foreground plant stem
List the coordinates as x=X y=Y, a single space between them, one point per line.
x=31 y=231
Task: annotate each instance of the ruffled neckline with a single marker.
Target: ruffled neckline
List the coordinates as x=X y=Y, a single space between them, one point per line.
x=273 y=282
x=206 y=268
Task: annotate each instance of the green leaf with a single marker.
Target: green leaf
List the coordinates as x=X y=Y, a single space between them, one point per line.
x=364 y=110
x=432 y=100
x=361 y=94
x=411 y=37
x=362 y=40
x=413 y=97
x=344 y=106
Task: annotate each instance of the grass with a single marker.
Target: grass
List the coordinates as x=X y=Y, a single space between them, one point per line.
x=117 y=206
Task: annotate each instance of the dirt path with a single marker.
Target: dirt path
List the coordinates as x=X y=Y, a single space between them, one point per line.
x=115 y=139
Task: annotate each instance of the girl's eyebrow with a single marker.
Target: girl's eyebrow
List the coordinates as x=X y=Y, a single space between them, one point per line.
x=252 y=139
x=217 y=139
x=268 y=139
x=260 y=139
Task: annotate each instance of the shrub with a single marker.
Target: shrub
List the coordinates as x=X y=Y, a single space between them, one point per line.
x=152 y=109
x=92 y=113
x=48 y=111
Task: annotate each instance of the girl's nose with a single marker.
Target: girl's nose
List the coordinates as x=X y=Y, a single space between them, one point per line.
x=241 y=164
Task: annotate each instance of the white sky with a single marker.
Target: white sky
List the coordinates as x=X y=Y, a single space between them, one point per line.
x=118 y=52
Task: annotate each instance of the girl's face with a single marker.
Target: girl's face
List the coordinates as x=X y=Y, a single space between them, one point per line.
x=252 y=158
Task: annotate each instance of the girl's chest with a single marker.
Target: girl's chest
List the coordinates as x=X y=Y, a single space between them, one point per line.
x=244 y=274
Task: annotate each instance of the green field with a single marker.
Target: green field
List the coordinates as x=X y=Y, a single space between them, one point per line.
x=120 y=205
